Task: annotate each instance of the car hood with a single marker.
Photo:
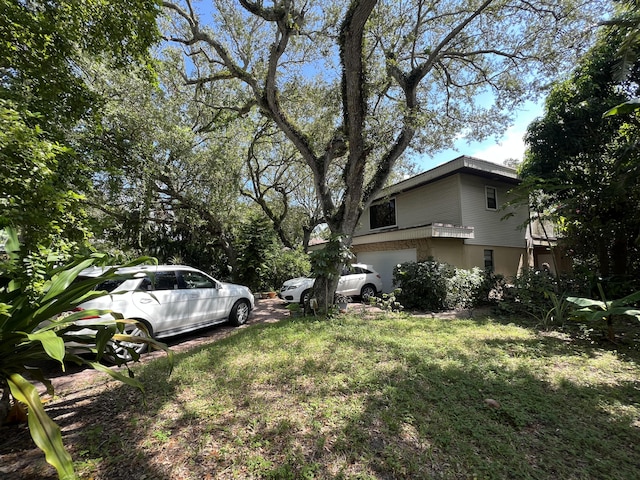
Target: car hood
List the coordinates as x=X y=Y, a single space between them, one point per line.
x=299 y=281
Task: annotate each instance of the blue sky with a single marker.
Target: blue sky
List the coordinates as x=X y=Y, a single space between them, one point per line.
x=510 y=145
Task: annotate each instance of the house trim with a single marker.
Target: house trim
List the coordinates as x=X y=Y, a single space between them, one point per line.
x=462 y=164
x=434 y=230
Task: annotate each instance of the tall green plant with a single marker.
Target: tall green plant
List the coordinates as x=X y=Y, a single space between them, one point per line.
x=595 y=310
x=327 y=264
x=35 y=327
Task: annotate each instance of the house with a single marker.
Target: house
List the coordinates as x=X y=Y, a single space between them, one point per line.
x=454 y=213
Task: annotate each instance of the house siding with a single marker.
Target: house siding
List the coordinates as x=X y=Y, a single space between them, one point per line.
x=442 y=214
x=507 y=260
x=440 y=202
x=490 y=226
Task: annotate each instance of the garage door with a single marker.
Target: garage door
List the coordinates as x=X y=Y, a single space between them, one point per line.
x=384 y=262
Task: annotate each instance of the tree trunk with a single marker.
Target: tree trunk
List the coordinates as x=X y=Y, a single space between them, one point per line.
x=324 y=290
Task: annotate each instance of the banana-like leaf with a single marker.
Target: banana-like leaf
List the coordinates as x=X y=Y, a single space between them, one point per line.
x=45 y=433
x=586 y=302
x=624 y=108
x=53 y=345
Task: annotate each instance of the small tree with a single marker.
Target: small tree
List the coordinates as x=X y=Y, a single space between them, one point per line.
x=594 y=310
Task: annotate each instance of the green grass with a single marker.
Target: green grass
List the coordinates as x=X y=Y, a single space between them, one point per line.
x=395 y=397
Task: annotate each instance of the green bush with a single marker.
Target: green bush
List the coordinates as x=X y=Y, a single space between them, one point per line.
x=541 y=295
x=464 y=288
x=436 y=286
x=423 y=285
x=286 y=264
x=263 y=263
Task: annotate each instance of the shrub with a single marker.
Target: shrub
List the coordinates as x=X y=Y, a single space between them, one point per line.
x=263 y=263
x=423 y=285
x=387 y=302
x=286 y=264
x=541 y=295
x=436 y=286
x=464 y=287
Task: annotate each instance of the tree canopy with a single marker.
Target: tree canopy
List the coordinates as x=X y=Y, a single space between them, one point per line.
x=582 y=169
x=43 y=47
x=391 y=75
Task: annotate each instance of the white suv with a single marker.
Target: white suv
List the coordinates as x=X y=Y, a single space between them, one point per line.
x=357 y=280
x=169 y=300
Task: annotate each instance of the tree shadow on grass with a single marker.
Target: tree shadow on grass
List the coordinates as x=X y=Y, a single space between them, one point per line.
x=320 y=416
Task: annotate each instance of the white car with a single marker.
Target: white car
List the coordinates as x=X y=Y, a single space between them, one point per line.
x=169 y=300
x=357 y=280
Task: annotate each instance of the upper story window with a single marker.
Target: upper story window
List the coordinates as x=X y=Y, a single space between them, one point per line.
x=491 y=195
x=382 y=214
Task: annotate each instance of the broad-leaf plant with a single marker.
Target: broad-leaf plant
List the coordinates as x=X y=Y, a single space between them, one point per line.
x=39 y=328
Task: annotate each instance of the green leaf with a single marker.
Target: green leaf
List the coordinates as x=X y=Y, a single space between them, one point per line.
x=45 y=433
x=586 y=302
x=53 y=345
x=117 y=375
x=63 y=280
x=624 y=108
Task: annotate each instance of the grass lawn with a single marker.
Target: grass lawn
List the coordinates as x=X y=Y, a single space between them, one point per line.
x=378 y=398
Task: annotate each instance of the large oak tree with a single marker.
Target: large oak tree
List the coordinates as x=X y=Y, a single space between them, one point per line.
x=393 y=75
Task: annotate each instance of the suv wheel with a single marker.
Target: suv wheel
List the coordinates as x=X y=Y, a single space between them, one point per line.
x=239 y=313
x=122 y=350
x=367 y=292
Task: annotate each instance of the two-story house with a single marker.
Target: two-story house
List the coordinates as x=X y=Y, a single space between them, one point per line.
x=453 y=213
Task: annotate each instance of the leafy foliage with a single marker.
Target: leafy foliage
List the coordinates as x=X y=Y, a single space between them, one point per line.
x=263 y=263
x=327 y=264
x=463 y=287
x=36 y=326
x=42 y=45
x=436 y=286
x=423 y=285
x=33 y=196
x=388 y=302
x=584 y=169
x=594 y=310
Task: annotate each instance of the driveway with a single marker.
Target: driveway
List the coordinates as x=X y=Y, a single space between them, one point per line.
x=268 y=310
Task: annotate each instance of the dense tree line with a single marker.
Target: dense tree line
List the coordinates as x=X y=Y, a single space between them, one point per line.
x=582 y=168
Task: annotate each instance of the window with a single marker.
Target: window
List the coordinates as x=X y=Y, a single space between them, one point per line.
x=197 y=280
x=166 y=281
x=488 y=260
x=492 y=198
x=382 y=214
x=108 y=285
